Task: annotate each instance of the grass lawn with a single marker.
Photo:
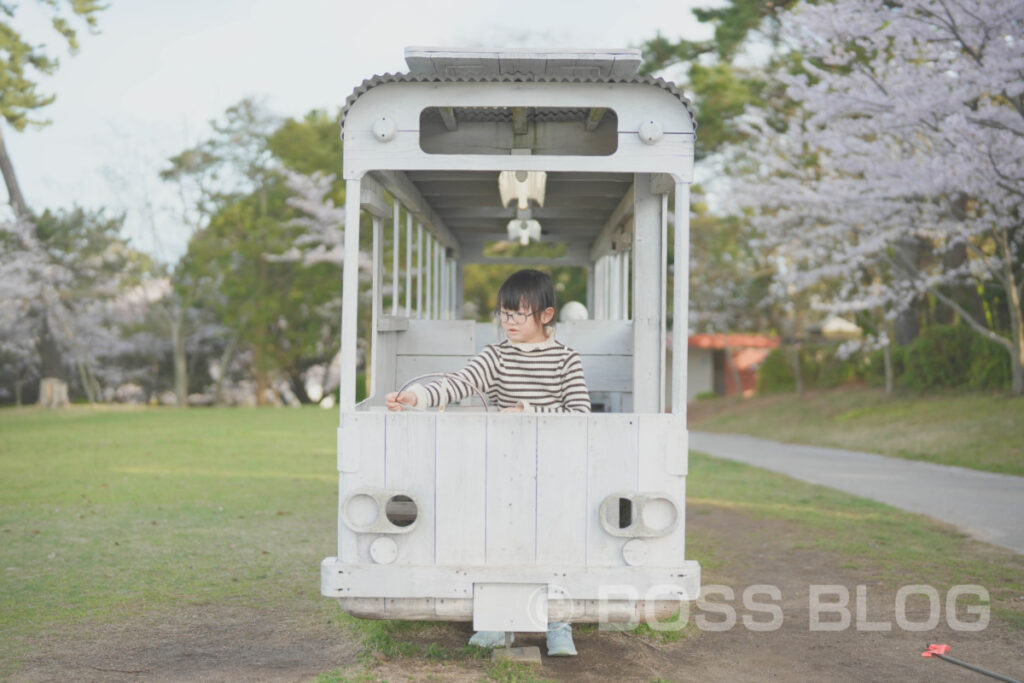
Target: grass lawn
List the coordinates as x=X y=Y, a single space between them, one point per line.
x=107 y=513
x=980 y=431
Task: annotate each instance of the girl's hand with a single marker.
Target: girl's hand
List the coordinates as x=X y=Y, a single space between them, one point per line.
x=400 y=401
x=514 y=409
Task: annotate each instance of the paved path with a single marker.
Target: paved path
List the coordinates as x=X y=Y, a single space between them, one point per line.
x=987 y=506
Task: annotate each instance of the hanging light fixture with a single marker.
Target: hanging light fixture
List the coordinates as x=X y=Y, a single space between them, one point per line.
x=522 y=186
x=524 y=230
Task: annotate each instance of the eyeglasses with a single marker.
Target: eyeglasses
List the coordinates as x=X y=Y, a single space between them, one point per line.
x=512 y=317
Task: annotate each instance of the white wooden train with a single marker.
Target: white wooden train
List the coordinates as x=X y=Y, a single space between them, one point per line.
x=514 y=520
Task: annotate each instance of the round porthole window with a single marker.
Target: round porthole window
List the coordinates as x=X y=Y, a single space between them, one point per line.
x=401 y=510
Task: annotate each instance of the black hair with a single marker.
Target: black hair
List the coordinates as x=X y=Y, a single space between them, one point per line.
x=527 y=288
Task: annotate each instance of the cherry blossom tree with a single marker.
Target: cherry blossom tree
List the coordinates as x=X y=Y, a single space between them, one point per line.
x=909 y=132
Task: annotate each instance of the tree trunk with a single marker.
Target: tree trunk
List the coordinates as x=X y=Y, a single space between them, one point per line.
x=887 y=361
x=178 y=351
x=226 y=359
x=1013 y=302
x=11 y=180
x=798 y=375
x=908 y=321
x=50 y=360
x=53 y=392
x=733 y=370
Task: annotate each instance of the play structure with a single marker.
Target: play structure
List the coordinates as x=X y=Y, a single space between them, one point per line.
x=515 y=520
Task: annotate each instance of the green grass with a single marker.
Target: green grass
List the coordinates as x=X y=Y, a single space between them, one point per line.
x=980 y=431
x=106 y=512
x=863 y=534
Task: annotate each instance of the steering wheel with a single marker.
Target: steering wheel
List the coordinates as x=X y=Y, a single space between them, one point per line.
x=446 y=377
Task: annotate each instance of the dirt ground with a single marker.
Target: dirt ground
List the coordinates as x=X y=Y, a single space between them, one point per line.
x=234 y=644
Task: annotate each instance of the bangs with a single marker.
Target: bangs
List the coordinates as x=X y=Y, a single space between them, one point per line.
x=527 y=289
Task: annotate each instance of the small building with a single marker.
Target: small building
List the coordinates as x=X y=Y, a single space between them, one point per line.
x=726 y=364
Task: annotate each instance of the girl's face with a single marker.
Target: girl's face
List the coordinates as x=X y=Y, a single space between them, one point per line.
x=522 y=326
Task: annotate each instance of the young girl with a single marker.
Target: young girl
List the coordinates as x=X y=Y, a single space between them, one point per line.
x=527 y=372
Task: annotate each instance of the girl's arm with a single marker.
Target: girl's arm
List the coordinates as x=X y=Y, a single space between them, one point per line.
x=478 y=374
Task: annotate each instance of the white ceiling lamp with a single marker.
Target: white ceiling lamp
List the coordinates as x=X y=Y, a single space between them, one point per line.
x=523 y=230
x=522 y=186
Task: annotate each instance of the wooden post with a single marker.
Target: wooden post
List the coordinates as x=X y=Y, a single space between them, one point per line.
x=419 y=270
x=394 y=260
x=350 y=298
x=648 y=307
x=681 y=299
x=376 y=305
x=408 y=264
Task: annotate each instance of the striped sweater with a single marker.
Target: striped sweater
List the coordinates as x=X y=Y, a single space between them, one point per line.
x=545 y=377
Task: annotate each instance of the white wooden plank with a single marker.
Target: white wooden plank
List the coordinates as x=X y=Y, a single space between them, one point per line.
x=459 y=507
x=410 y=441
x=438 y=337
x=350 y=299
x=511 y=489
x=608 y=373
x=561 y=496
x=362 y=449
x=395 y=581
x=611 y=468
x=593 y=337
x=660 y=469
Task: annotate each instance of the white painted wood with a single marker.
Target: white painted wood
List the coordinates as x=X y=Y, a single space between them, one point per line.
x=663 y=400
x=419 y=270
x=372 y=200
x=429 y=288
x=611 y=468
x=361 y=464
x=661 y=469
x=350 y=298
x=385 y=360
x=460 y=503
x=407 y=367
x=438 y=337
x=648 y=307
x=400 y=187
x=632 y=156
x=516 y=606
x=455 y=582
x=395 y=244
x=597 y=337
x=409 y=444
x=681 y=298
x=553 y=63
x=408 y=264
x=561 y=497
x=376 y=301
x=511 y=489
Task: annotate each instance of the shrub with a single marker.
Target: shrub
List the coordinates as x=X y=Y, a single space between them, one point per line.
x=939 y=358
x=875 y=374
x=990 y=365
x=775 y=374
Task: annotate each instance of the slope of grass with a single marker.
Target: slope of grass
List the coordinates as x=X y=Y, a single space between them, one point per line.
x=980 y=431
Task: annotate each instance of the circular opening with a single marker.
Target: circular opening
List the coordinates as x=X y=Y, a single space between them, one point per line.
x=361 y=509
x=659 y=514
x=400 y=510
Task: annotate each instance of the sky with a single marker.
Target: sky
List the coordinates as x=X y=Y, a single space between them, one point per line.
x=147 y=84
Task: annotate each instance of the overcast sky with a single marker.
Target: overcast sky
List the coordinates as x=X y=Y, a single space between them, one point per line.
x=146 y=86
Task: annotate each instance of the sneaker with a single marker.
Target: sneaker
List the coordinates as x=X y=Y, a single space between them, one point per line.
x=490 y=639
x=560 y=640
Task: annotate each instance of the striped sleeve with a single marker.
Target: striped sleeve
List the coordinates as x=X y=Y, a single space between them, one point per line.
x=574 y=395
x=479 y=374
